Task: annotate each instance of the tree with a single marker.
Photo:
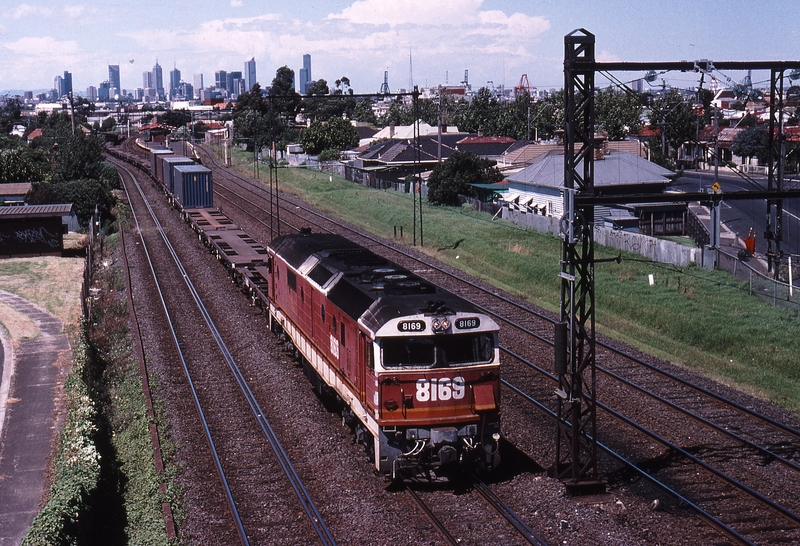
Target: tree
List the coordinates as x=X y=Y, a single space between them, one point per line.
x=677 y=123
x=454 y=176
x=336 y=134
x=617 y=113
x=481 y=115
x=23 y=165
x=343 y=86
x=10 y=114
x=284 y=99
x=319 y=87
x=752 y=142
x=362 y=111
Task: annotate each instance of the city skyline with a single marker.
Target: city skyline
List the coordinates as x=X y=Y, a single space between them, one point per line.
x=496 y=41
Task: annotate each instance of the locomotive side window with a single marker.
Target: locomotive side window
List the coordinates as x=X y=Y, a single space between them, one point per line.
x=302 y=294
x=334 y=324
x=291 y=280
x=341 y=324
x=438 y=351
x=322 y=313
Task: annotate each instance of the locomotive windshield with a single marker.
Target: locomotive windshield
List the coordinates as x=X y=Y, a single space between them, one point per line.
x=438 y=351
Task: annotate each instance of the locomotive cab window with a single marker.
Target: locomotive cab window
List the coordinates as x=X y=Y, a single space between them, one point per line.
x=438 y=351
x=291 y=280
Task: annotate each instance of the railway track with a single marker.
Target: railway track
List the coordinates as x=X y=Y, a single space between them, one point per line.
x=219 y=397
x=702 y=448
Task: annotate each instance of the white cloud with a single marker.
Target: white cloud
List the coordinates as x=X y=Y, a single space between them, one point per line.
x=24 y=10
x=415 y=12
x=237 y=3
x=45 y=46
x=74 y=10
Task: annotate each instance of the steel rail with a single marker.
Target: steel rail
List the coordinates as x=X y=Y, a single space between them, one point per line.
x=505 y=510
x=302 y=494
x=217 y=462
x=705 y=515
x=436 y=522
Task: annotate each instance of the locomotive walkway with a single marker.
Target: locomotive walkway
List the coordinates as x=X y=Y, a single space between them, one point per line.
x=29 y=379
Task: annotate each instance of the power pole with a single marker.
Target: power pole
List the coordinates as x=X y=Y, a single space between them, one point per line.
x=576 y=442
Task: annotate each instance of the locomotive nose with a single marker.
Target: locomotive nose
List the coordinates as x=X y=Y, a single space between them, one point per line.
x=448 y=455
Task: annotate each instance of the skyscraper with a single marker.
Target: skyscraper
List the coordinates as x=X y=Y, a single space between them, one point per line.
x=221 y=80
x=174 y=82
x=158 y=80
x=198 y=85
x=234 y=79
x=305 y=75
x=250 y=74
x=113 y=77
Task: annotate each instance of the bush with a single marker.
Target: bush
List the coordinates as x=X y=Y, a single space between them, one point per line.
x=77 y=465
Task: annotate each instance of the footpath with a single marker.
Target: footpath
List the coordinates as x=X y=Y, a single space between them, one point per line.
x=31 y=373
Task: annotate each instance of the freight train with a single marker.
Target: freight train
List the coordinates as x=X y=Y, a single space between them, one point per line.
x=414 y=369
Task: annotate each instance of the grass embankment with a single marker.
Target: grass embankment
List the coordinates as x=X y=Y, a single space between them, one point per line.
x=703 y=320
x=104 y=489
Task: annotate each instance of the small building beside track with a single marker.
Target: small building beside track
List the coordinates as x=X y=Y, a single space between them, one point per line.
x=33 y=230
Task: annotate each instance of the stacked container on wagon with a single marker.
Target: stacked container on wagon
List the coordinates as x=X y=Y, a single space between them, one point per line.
x=416 y=367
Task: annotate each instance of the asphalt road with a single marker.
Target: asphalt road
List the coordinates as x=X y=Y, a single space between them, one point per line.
x=740 y=216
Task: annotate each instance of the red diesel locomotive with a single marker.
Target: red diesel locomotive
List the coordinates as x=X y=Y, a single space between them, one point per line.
x=416 y=368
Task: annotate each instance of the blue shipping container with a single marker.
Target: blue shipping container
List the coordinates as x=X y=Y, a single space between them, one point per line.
x=167 y=172
x=154 y=163
x=193 y=187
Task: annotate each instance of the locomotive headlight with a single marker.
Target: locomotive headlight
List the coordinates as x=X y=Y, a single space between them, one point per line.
x=496 y=437
x=391 y=405
x=436 y=324
x=445 y=324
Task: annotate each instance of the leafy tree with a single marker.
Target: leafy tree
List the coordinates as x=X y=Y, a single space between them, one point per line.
x=10 y=114
x=23 y=165
x=752 y=142
x=362 y=111
x=677 y=124
x=108 y=124
x=343 y=86
x=79 y=175
x=617 y=113
x=453 y=176
x=319 y=87
x=176 y=118
x=336 y=134
x=481 y=114
x=285 y=100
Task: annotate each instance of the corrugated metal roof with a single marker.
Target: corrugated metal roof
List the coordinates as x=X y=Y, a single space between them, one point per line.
x=616 y=169
x=36 y=210
x=15 y=188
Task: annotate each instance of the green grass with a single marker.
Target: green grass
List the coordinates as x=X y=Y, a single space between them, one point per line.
x=703 y=320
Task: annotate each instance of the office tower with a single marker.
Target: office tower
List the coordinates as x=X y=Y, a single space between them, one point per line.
x=103 y=93
x=250 y=74
x=232 y=85
x=147 y=80
x=58 y=86
x=67 y=83
x=221 y=80
x=198 y=85
x=113 y=76
x=174 y=82
x=158 y=80
x=91 y=93
x=305 y=75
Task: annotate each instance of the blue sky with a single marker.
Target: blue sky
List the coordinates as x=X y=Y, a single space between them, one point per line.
x=496 y=40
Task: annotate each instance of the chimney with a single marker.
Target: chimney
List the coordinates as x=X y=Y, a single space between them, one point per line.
x=391 y=130
x=600 y=146
x=480 y=131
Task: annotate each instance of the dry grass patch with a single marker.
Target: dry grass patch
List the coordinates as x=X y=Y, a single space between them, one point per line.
x=51 y=282
x=16 y=324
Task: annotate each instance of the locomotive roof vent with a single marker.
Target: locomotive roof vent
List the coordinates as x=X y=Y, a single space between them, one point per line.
x=436 y=307
x=407 y=287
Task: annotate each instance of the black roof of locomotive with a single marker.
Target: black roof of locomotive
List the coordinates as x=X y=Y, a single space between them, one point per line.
x=371 y=287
